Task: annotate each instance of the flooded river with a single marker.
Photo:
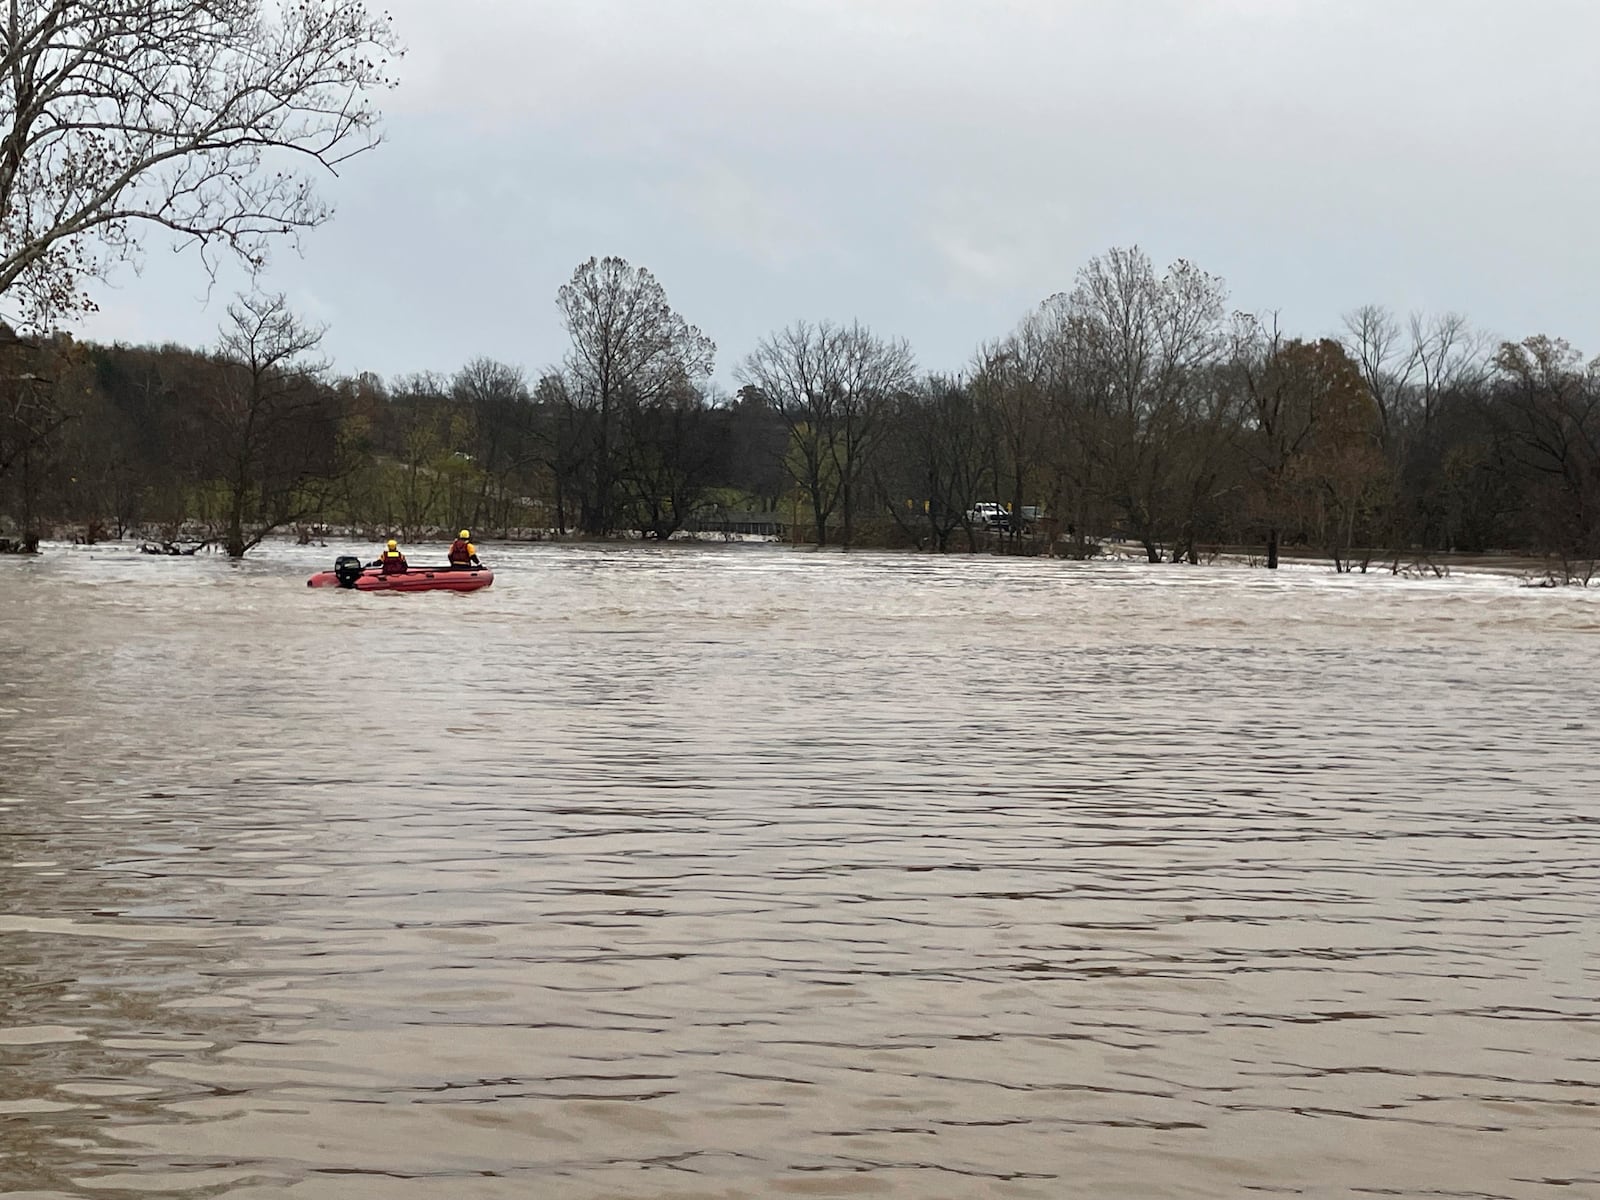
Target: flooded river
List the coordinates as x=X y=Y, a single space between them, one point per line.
x=741 y=872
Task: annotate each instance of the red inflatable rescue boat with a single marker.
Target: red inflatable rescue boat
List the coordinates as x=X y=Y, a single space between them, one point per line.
x=349 y=573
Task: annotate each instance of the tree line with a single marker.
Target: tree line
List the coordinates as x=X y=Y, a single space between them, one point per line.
x=1136 y=405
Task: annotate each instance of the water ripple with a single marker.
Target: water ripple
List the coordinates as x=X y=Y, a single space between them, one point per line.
x=725 y=872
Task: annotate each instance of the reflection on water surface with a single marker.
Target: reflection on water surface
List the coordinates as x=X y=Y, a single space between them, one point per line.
x=741 y=872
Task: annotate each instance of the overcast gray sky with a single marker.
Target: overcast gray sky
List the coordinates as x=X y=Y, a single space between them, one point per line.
x=934 y=168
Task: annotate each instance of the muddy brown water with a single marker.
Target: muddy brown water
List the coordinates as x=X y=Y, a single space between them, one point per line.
x=731 y=872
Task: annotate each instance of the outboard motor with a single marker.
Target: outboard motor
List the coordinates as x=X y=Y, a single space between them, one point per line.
x=347 y=567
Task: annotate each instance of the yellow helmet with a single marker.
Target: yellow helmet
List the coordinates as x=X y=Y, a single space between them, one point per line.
x=393 y=545
x=466 y=533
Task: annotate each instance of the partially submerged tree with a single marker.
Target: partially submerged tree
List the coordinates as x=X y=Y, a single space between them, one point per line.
x=627 y=341
x=1137 y=345
x=273 y=430
x=200 y=117
x=834 y=387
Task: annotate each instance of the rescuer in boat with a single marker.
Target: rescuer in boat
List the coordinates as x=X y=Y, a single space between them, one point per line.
x=391 y=560
x=463 y=554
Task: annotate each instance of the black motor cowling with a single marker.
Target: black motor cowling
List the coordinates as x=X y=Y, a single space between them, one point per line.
x=347 y=568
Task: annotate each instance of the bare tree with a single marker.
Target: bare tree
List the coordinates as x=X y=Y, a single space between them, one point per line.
x=1406 y=370
x=1375 y=342
x=1409 y=371
x=1448 y=353
x=626 y=340
x=197 y=116
x=833 y=386
x=1136 y=343
x=274 y=429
